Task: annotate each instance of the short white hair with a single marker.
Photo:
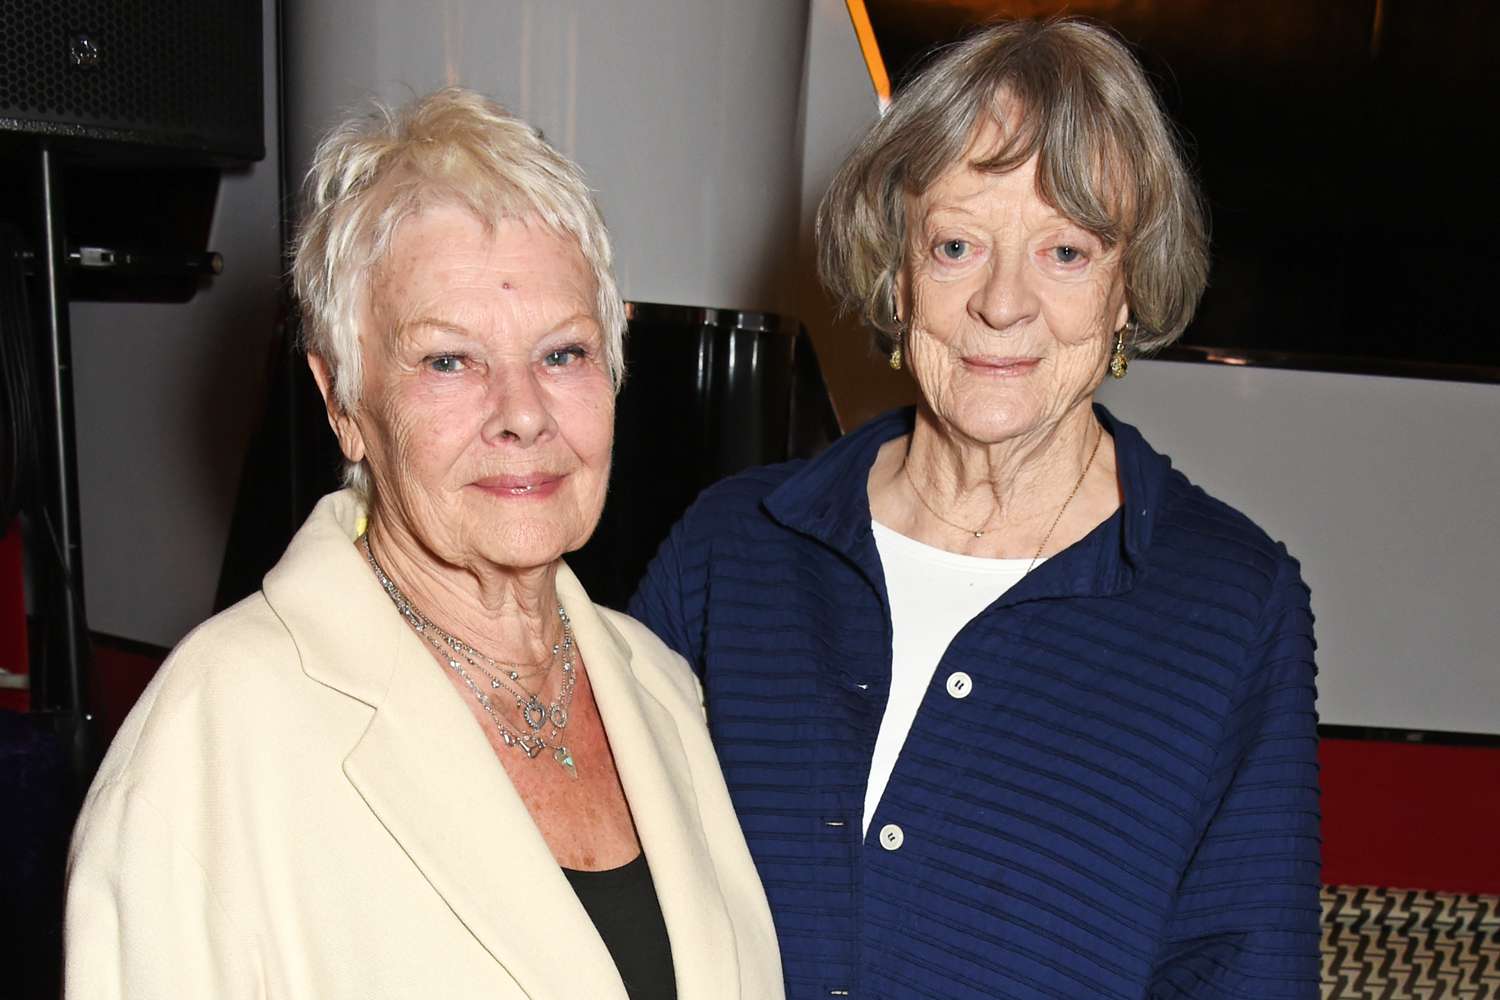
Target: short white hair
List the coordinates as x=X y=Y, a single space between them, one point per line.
x=452 y=147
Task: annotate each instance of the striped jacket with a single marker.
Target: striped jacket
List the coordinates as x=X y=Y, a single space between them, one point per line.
x=1124 y=804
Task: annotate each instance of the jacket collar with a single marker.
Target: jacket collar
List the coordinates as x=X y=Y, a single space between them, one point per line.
x=430 y=777
x=828 y=500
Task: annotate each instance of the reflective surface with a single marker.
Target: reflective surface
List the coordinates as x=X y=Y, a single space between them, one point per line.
x=707 y=393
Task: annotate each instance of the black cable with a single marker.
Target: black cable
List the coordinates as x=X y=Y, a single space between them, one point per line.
x=21 y=474
x=19 y=459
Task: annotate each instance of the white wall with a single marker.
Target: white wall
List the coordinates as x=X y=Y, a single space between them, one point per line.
x=166 y=397
x=683 y=113
x=1388 y=491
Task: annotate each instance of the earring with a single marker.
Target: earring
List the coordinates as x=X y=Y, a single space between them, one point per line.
x=895 y=358
x=1118 y=362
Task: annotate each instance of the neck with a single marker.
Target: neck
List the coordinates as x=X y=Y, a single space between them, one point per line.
x=941 y=486
x=507 y=613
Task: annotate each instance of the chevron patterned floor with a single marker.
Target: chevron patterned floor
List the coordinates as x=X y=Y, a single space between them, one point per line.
x=1394 y=944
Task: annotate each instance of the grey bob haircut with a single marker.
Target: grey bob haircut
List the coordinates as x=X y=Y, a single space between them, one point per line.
x=1107 y=159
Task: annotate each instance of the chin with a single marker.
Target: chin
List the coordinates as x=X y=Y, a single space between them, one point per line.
x=991 y=421
x=521 y=544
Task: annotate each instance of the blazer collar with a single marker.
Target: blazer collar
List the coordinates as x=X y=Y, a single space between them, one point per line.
x=428 y=774
x=828 y=500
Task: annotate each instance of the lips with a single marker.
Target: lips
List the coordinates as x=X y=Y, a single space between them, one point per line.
x=1001 y=367
x=530 y=486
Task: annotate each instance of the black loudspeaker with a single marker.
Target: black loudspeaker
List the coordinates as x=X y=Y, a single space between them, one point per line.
x=181 y=75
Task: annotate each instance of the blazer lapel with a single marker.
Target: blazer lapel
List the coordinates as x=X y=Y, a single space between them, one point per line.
x=432 y=779
x=658 y=783
x=428 y=773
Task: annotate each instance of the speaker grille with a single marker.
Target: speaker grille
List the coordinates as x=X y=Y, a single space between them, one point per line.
x=183 y=74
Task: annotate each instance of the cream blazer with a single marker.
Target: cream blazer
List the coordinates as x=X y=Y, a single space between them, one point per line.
x=301 y=805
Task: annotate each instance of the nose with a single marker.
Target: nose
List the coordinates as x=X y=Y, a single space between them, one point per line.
x=518 y=408
x=1004 y=299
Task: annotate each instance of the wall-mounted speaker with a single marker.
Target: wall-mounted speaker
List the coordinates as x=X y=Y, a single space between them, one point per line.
x=181 y=75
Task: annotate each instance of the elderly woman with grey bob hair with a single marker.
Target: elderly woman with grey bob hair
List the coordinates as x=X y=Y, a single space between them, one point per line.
x=419 y=762
x=1007 y=705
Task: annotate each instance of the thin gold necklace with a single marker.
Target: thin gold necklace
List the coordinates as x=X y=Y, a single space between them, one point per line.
x=979 y=533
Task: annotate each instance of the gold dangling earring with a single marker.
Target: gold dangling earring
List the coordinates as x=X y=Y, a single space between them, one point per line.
x=895 y=358
x=1118 y=362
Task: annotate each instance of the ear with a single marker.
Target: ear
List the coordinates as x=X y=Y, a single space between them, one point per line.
x=351 y=441
x=898 y=295
x=1123 y=317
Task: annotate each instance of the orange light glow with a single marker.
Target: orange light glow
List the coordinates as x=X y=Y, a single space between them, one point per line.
x=870 y=49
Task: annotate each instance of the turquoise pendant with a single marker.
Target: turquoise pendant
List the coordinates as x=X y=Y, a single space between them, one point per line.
x=564 y=756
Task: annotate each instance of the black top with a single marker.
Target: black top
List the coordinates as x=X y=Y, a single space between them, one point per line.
x=623 y=906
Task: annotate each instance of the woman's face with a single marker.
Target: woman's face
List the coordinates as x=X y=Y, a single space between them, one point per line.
x=1013 y=308
x=487 y=410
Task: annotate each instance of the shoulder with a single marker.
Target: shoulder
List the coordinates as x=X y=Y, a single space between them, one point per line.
x=1210 y=552
x=1216 y=529
x=237 y=664
x=1196 y=549
x=655 y=663
x=789 y=493
x=1179 y=522
x=732 y=509
x=741 y=494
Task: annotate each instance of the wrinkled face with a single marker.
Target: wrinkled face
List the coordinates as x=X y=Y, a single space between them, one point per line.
x=1013 y=308
x=487 y=411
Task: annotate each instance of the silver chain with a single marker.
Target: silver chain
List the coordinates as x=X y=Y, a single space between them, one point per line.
x=533 y=712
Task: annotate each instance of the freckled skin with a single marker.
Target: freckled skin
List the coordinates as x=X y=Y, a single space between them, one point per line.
x=1012 y=311
x=486 y=418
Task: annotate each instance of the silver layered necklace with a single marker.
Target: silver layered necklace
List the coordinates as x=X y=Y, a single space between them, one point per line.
x=536 y=714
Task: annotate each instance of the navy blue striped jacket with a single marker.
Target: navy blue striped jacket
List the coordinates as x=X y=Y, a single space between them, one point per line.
x=1125 y=805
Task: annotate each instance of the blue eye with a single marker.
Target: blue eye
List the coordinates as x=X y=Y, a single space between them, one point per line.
x=446 y=364
x=954 y=249
x=564 y=356
x=1067 y=254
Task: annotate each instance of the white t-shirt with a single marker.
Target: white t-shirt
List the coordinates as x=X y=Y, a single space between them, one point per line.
x=934 y=593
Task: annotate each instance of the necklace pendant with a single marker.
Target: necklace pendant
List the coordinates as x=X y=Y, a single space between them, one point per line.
x=535 y=713
x=564 y=756
x=559 y=716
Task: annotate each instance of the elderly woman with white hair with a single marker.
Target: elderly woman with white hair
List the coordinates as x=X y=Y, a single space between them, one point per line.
x=1008 y=706
x=420 y=762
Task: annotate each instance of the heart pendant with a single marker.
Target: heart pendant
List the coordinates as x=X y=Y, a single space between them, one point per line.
x=535 y=713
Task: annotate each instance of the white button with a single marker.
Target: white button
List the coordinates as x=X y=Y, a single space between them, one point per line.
x=960 y=684
x=891 y=837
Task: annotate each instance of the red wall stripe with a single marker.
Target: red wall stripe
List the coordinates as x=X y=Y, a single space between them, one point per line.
x=1411 y=816
x=14 y=654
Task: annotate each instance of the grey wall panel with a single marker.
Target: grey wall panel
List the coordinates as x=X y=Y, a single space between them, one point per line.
x=1388 y=490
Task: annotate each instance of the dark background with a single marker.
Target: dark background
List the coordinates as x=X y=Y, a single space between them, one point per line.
x=1345 y=150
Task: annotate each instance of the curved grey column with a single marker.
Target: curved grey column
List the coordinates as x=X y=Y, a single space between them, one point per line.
x=682 y=112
